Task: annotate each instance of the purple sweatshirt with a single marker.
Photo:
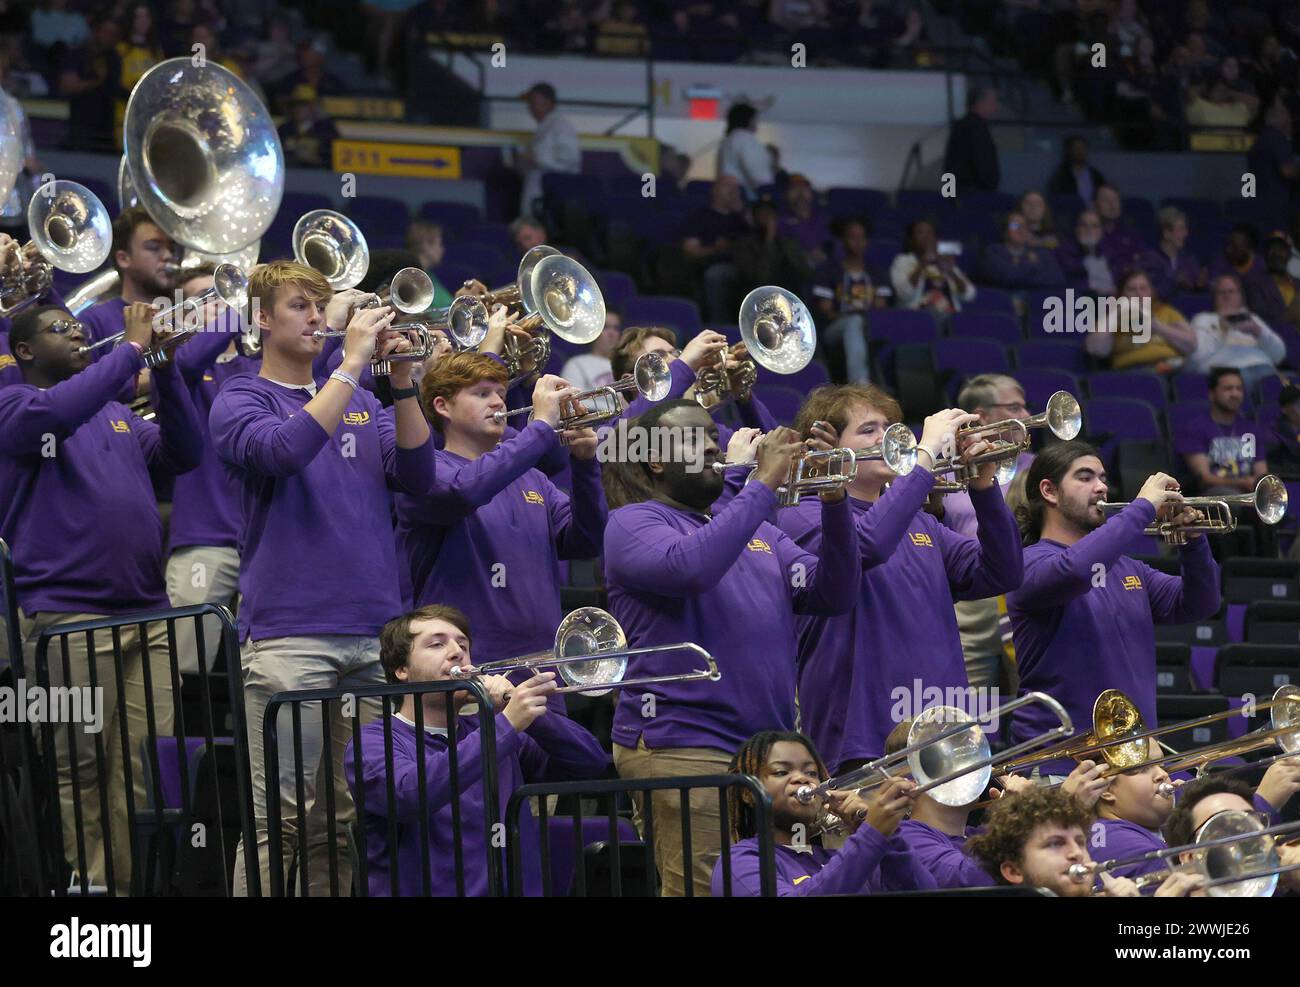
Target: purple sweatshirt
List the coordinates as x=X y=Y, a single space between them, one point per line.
x=867 y=863
x=554 y=748
x=205 y=502
x=106 y=319
x=317 y=553
x=488 y=535
x=1119 y=839
x=902 y=635
x=943 y=856
x=9 y=372
x=1075 y=638
x=76 y=502
x=731 y=584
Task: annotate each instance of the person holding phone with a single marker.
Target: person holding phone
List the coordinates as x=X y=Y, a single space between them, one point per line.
x=926 y=274
x=1233 y=336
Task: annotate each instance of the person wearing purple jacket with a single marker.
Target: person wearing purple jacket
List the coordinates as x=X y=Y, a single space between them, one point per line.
x=1130 y=812
x=424 y=646
x=488 y=536
x=78 y=511
x=1017 y=264
x=1117 y=238
x=872 y=859
x=205 y=523
x=1083 y=619
x=1085 y=261
x=318 y=566
x=678 y=570
x=860 y=673
x=11 y=257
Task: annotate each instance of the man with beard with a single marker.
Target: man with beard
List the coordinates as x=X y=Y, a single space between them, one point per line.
x=731 y=582
x=1083 y=618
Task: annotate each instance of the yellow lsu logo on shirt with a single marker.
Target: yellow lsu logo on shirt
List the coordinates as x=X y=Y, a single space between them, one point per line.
x=533 y=497
x=758 y=545
x=6 y=361
x=120 y=426
x=209 y=379
x=357 y=418
x=1132 y=582
x=921 y=538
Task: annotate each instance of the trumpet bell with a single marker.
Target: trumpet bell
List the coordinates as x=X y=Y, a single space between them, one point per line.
x=332 y=244
x=70 y=226
x=944 y=757
x=231 y=286
x=410 y=291
x=1242 y=857
x=204 y=155
x=898 y=449
x=1064 y=416
x=467 y=322
x=1270 y=499
x=564 y=293
x=586 y=631
x=653 y=376
x=777 y=329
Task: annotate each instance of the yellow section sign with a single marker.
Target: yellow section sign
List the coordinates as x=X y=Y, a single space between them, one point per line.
x=405 y=160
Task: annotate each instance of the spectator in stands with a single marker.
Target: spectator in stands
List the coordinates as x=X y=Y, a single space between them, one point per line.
x=58 y=31
x=424 y=239
x=765 y=255
x=1161 y=346
x=909 y=44
x=623 y=33
x=802 y=220
x=1074 y=176
x=1213 y=103
x=710 y=237
x=1084 y=261
x=780 y=177
x=568 y=28
x=742 y=156
x=871 y=32
x=1233 y=336
x=1272 y=161
x=311 y=71
x=1240 y=254
x=553 y=147
x=587 y=370
x=177 y=26
x=844 y=290
x=1220 y=447
x=271 y=58
x=1172 y=267
x=383 y=19
x=1015 y=264
x=89 y=81
x=1117 y=237
x=1277 y=254
x=139 y=51
x=1284 y=449
x=972 y=154
x=527 y=233
x=1039 y=224
x=308 y=135
x=926 y=274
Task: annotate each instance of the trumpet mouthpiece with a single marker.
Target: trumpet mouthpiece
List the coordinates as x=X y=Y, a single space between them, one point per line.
x=1080 y=873
x=805 y=794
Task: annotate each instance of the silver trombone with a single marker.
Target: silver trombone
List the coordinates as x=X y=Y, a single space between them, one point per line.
x=1269 y=500
x=70 y=230
x=229 y=285
x=823 y=470
x=1223 y=853
x=947 y=752
x=651 y=378
x=591 y=656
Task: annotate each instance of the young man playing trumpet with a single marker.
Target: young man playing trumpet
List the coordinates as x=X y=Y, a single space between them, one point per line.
x=729 y=581
x=13 y=261
x=853 y=667
x=489 y=535
x=314 y=464
x=424 y=646
x=1085 y=614
x=871 y=859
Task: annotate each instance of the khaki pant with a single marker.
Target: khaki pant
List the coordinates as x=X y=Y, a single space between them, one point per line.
x=290 y=664
x=201 y=574
x=79 y=784
x=706 y=819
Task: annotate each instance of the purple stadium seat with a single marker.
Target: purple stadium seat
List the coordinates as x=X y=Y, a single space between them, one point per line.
x=376 y=212
x=857 y=202
x=881 y=252
x=783 y=402
x=803 y=381
x=488 y=261
x=1128 y=384
x=1035 y=302
x=616 y=287
x=453 y=274
x=1201 y=213
x=1180 y=412
x=991 y=300
x=699 y=189
x=1269 y=390
x=1040 y=385
x=296 y=203
x=728 y=329
x=1191 y=305
x=453 y=216
x=1191 y=387
x=994 y=204
x=967 y=356
x=1265 y=416
x=987 y=325
x=901 y=325
x=1141 y=214
x=1291 y=337
x=1109 y=421
x=564 y=852
x=1051 y=354
x=679 y=314
x=915 y=203
x=494 y=235
x=558 y=186
x=1065 y=209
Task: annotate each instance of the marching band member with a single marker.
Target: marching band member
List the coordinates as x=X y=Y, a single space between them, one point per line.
x=729 y=581
x=488 y=537
x=424 y=646
x=145 y=260
x=1130 y=812
x=318 y=570
x=12 y=260
x=851 y=667
x=1085 y=612
x=78 y=510
x=205 y=524
x=871 y=859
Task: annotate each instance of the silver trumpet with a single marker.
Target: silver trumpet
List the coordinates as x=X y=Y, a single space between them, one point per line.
x=71 y=232
x=650 y=377
x=778 y=333
x=1269 y=500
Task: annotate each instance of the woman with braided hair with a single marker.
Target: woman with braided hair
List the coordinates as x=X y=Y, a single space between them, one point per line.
x=872 y=858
